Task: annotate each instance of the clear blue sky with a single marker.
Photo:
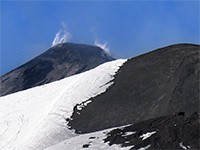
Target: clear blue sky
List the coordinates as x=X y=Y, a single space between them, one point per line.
x=129 y=27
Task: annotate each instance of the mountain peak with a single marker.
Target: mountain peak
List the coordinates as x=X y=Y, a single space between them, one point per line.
x=59 y=61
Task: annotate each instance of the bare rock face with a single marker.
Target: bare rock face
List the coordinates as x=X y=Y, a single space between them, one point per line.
x=152 y=85
x=57 y=62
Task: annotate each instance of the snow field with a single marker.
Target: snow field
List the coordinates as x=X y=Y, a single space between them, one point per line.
x=93 y=140
x=36 y=118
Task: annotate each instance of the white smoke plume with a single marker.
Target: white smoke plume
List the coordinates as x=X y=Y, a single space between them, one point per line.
x=103 y=46
x=62 y=35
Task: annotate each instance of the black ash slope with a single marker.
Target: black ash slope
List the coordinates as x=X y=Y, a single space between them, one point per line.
x=60 y=61
x=175 y=131
x=151 y=85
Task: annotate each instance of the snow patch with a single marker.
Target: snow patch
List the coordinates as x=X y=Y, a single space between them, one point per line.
x=129 y=133
x=83 y=105
x=127 y=142
x=147 y=135
x=184 y=147
x=144 y=148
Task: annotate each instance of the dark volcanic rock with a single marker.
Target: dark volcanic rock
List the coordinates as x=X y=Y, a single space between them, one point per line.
x=155 y=84
x=168 y=132
x=60 y=61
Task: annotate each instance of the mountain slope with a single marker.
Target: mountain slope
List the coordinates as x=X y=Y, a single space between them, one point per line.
x=91 y=141
x=151 y=85
x=145 y=92
x=36 y=118
x=173 y=132
x=60 y=61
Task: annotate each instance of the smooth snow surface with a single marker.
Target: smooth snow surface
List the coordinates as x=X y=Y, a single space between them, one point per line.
x=34 y=119
x=94 y=141
x=147 y=135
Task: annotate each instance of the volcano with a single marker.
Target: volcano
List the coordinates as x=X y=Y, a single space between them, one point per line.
x=147 y=102
x=56 y=63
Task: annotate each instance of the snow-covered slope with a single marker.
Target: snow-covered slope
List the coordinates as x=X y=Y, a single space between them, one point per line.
x=91 y=141
x=36 y=118
x=174 y=131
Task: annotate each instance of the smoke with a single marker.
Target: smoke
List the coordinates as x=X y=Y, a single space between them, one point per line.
x=62 y=35
x=103 y=46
